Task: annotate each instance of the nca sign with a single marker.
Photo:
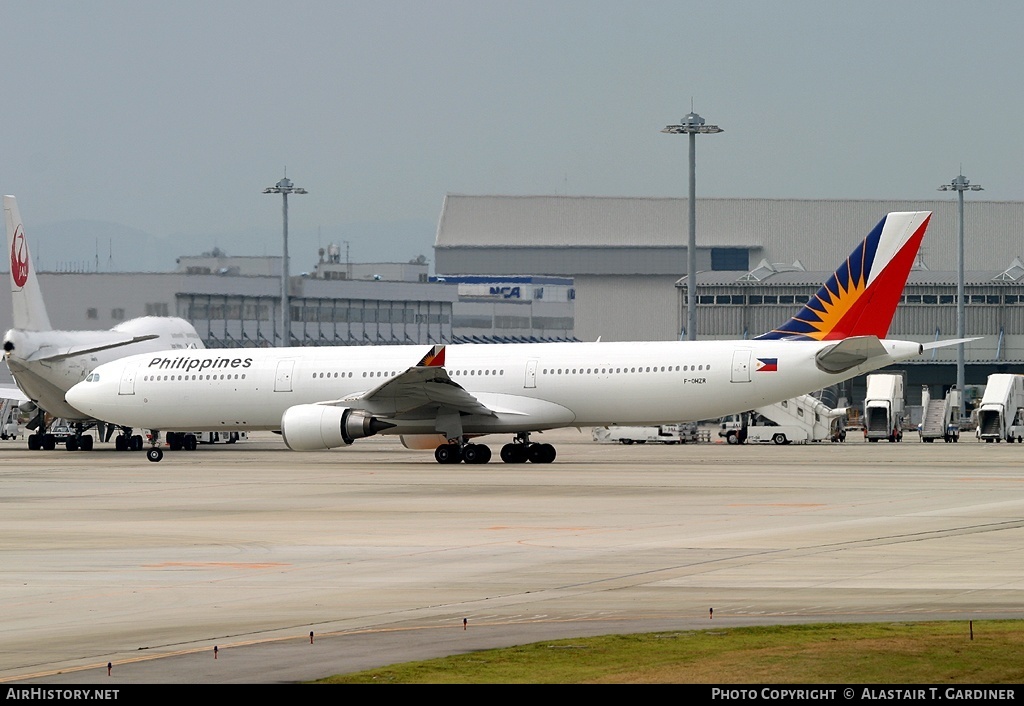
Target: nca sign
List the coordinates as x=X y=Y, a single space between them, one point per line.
x=491 y=291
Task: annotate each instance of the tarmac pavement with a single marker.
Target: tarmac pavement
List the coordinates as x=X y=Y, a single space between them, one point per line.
x=382 y=554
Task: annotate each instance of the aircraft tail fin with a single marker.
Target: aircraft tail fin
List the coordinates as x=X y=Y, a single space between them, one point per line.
x=860 y=298
x=26 y=297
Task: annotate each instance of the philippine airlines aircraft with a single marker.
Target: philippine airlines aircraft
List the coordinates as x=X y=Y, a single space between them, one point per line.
x=447 y=396
x=46 y=363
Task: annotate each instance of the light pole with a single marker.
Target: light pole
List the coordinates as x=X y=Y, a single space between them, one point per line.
x=691 y=124
x=960 y=185
x=285 y=187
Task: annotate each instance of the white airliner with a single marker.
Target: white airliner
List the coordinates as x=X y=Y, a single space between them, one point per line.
x=445 y=397
x=46 y=363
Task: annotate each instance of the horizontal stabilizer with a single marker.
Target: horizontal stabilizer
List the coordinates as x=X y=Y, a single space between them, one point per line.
x=849 y=353
x=950 y=342
x=70 y=353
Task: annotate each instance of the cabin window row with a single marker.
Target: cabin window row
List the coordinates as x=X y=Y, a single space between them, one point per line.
x=612 y=371
x=939 y=299
x=175 y=378
x=393 y=373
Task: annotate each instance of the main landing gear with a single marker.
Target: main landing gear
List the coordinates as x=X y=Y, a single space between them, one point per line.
x=520 y=450
x=176 y=441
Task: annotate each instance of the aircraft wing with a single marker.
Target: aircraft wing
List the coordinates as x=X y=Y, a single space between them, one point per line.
x=42 y=353
x=10 y=392
x=424 y=387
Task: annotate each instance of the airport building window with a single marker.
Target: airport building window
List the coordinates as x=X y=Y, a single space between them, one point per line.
x=91 y=313
x=730 y=259
x=117 y=314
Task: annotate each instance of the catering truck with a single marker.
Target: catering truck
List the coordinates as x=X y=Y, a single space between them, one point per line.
x=883 y=406
x=1001 y=407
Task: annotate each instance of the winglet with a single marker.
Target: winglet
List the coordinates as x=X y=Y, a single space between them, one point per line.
x=860 y=298
x=26 y=297
x=433 y=359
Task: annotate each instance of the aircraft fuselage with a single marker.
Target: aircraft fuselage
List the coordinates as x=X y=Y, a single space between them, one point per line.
x=526 y=387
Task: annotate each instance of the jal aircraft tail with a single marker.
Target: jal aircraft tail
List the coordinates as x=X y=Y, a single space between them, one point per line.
x=860 y=298
x=26 y=297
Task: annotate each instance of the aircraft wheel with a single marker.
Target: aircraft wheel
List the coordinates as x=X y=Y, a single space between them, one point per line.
x=71 y=444
x=136 y=443
x=174 y=441
x=779 y=439
x=34 y=443
x=154 y=454
x=541 y=453
x=476 y=453
x=121 y=442
x=49 y=443
x=85 y=443
x=191 y=443
x=448 y=453
x=514 y=453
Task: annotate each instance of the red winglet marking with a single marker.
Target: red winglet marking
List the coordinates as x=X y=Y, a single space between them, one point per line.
x=433 y=359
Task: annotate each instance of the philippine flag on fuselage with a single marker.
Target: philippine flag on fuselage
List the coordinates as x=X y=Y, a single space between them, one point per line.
x=767 y=365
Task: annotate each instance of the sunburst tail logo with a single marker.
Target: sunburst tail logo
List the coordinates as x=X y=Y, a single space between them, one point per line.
x=433 y=359
x=860 y=298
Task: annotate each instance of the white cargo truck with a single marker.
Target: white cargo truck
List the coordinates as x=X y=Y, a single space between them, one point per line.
x=883 y=406
x=1001 y=408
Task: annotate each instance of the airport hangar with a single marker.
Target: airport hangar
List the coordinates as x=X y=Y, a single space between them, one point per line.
x=758 y=260
x=522 y=268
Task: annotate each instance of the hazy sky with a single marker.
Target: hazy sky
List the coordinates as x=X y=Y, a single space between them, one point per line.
x=170 y=117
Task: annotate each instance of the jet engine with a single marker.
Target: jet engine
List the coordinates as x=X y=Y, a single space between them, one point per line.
x=315 y=427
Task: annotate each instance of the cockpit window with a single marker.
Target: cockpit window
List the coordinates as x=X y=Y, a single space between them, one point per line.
x=93 y=377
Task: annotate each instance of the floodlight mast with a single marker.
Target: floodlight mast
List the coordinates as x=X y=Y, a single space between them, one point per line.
x=285 y=187
x=960 y=185
x=692 y=125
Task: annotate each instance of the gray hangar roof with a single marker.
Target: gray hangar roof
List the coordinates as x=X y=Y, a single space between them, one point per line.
x=504 y=231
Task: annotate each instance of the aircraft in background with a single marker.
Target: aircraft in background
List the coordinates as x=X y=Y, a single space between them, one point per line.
x=321 y=398
x=46 y=363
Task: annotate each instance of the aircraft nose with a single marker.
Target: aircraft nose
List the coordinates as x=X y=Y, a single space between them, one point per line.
x=81 y=396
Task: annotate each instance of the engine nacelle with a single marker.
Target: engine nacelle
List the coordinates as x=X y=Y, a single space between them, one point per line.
x=315 y=427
